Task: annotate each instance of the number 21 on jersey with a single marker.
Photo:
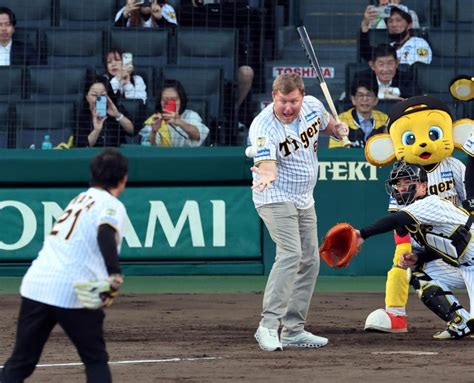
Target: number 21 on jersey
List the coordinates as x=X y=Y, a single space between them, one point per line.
x=67 y=222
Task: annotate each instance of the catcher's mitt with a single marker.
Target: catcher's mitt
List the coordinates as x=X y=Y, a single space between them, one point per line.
x=339 y=245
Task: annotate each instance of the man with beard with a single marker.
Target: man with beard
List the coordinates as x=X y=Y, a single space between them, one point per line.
x=410 y=49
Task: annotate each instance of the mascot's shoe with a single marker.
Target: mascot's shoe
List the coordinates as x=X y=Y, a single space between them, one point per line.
x=384 y=321
x=304 y=339
x=455 y=331
x=267 y=339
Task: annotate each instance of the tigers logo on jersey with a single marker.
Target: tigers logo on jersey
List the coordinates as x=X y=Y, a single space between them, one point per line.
x=260 y=141
x=422 y=52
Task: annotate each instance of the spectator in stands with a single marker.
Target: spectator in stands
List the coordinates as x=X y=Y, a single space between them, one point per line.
x=247 y=58
x=363 y=119
x=147 y=14
x=121 y=78
x=392 y=83
x=108 y=131
x=13 y=52
x=410 y=49
x=378 y=20
x=172 y=124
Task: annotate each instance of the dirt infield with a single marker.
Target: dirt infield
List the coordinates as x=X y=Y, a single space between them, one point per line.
x=218 y=330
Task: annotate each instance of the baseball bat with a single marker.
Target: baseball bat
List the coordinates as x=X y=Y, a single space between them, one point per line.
x=313 y=60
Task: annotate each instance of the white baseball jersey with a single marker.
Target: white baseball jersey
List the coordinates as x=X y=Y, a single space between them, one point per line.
x=294 y=152
x=70 y=252
x=468 y=146
x=415 y=49
x=437 y=220
x=445 y=180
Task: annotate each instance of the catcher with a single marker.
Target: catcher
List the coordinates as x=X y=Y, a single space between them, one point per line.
x=421 y=132
x=443 y=253
x=76 y=274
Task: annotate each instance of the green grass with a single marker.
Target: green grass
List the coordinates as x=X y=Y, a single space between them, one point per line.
x=219 y=284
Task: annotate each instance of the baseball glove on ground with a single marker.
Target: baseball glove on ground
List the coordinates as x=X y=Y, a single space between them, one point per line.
x=339 y=245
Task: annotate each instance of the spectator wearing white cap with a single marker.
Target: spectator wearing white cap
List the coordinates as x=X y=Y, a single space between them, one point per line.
x=410 y=49
x=378 y=19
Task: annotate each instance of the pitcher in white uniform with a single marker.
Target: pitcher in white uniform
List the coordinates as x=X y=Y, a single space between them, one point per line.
x=83 y=245
x=285 y=135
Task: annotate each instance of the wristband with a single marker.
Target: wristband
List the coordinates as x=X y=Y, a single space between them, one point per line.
x=120 y=118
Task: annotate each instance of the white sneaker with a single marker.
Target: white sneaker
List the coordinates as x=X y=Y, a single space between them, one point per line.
x=267 y=339
x=452 y=333
x=454 y=330
x=304 y=339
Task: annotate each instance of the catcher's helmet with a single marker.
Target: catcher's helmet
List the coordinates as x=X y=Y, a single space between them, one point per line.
x=402 y=170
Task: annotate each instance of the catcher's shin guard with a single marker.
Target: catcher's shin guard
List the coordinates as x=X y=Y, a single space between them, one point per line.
x=441 y=302
x=444 y=304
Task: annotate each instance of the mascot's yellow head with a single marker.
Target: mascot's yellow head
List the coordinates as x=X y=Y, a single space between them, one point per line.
x=421 y=132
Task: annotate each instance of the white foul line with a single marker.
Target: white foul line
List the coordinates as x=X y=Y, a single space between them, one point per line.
x=405 y=353
x=132 y=361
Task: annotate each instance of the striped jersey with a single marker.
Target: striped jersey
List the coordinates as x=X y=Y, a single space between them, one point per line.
x=446 y=180
x=468 y=146
x=294 y=151
x=437 y=221
x=71 y=252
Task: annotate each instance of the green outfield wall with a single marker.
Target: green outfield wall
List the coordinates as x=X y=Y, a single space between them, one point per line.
x=190 y=210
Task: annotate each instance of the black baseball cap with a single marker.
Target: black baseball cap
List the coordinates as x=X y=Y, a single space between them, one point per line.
x=415 y=104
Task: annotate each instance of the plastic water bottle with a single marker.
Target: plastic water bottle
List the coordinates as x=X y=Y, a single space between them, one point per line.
x=46 y=143
x=145 y=139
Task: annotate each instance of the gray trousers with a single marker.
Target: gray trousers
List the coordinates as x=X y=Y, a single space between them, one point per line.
x=292 y=279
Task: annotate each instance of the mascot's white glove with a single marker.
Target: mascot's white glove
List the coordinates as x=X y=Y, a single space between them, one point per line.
x=98 y=294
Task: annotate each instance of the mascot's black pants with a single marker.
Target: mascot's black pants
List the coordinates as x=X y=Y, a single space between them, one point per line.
x=35 y=323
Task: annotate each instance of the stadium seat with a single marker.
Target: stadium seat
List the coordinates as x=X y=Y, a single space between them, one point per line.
x=149 y=46
x=136 y=111
x=36 y=119
x=199 y=82
x=208 y=46
x=464 y=17
x=422 y=9
x=5 y=117
x=73 y=47
x=86 y=13
x=31 y=13
x=350 y=74
x=434 y=80
x=27 y=35
x=199 y=105
x=11 y=83
x=447 y=46
x=56 y=84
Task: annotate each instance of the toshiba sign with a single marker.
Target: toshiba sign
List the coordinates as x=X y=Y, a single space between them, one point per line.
x=303 y=71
